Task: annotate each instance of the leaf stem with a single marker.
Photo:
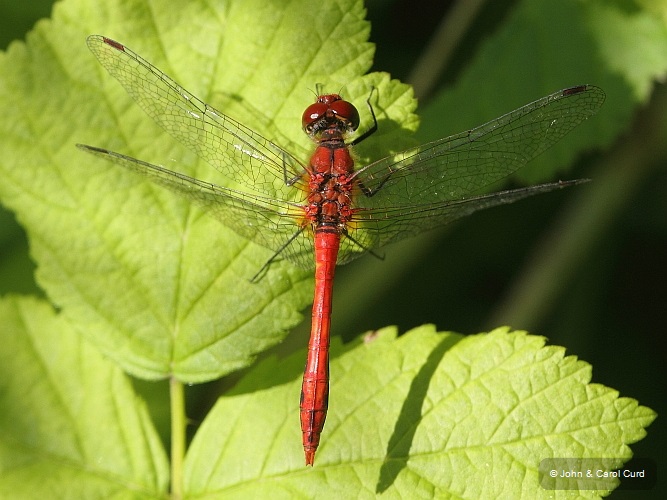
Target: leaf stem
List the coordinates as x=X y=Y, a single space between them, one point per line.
x=178 y=423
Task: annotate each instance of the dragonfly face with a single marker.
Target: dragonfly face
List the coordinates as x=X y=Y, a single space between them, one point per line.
x=330 y=116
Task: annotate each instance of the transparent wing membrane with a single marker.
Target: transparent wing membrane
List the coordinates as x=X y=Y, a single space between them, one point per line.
x=396 y=197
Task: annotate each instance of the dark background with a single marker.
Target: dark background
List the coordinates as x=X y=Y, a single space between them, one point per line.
x=608 y=308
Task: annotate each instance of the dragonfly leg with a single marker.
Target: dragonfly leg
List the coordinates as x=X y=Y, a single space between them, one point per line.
x=290 y=181
x=362 y=246
x=260 y=274
x=373 y=128
x=372 y=192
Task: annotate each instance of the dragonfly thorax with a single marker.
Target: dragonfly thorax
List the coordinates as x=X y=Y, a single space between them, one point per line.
x=330 y=186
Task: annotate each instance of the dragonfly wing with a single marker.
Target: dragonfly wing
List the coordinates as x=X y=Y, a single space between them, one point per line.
x=466 y=163
x=398 y=222
x=266 y=221
x=437 y=182
x=237 y=151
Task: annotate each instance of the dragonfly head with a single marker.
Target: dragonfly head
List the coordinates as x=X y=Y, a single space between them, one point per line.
x=330 y=115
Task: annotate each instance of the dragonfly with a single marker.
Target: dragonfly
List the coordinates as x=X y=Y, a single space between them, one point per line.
x=323 y=211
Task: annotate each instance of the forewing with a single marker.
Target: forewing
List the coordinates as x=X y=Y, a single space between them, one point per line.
x=435 y=183
x=238 y=152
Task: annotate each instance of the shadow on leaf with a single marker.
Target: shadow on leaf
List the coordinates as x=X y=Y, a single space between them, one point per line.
x=398 y=448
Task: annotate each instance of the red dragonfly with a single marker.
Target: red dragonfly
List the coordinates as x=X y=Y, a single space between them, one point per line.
x=326 y=207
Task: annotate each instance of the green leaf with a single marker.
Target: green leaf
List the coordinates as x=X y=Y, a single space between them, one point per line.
x=425 y=415
x=162 y=290
x=152 y=282
x=71 y=425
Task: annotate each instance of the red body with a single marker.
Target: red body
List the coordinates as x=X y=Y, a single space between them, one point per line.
x=315 y=388
x=328 y=212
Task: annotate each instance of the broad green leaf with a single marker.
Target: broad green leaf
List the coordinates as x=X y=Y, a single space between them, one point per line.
x=149 y=279
x=71 y=425
x=422 y=416
x=162 y=289
x=544 y=46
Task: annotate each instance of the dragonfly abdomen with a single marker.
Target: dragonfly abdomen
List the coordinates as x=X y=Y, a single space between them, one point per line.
x=315 y=387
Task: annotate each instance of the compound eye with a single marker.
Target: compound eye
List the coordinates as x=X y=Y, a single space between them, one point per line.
x=347 y=112
x=312 y=114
